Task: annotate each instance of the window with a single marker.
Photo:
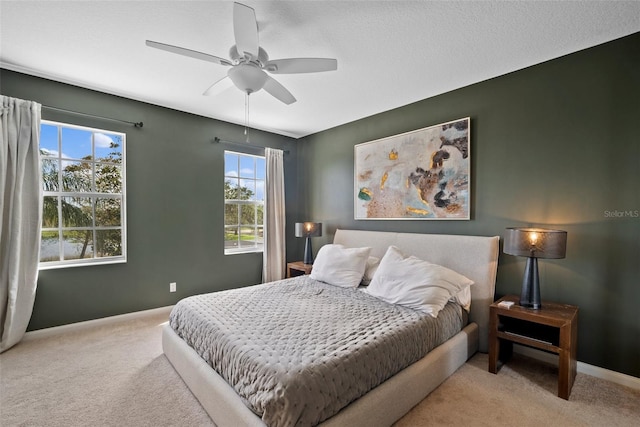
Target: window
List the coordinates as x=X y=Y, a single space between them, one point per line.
x=83 y=178
x=244 y=177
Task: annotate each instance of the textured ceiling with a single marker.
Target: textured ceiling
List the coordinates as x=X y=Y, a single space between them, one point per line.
x=390 y=53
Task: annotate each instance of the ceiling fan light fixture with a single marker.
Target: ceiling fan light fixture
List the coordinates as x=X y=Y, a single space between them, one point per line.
x=247 y=77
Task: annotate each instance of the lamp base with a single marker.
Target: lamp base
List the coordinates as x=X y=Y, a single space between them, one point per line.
x=530 y=296
x=308 y=253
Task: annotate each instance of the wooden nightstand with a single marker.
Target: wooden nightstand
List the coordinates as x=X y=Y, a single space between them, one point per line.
x=298 y=268
x=553 y=328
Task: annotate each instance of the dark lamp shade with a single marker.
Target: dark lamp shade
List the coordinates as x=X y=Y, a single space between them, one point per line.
x=535 y=242
x=308 y=229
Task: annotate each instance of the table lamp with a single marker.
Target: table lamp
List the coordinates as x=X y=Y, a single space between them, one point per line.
x=308 y=230
x=534 y=243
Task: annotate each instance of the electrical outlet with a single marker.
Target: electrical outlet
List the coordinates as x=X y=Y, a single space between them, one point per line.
x=172 y=287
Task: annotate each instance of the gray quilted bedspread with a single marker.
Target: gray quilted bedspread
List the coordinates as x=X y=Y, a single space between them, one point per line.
x=297 y=351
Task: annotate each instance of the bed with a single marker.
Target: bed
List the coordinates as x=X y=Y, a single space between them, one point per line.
x=472 y=256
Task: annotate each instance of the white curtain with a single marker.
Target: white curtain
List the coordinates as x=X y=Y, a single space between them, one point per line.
x=274 y=255
x=20 y=215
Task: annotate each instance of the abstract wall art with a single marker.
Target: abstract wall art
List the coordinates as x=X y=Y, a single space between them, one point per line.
x=422 y=174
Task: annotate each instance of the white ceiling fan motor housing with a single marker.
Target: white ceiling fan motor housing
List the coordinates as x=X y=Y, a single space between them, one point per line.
x=235 y=56
x=247 y=77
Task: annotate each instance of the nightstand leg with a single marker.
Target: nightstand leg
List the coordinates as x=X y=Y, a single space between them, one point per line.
x=493 y=341
x=567 y=363
x=499 y=349
x=493 y=356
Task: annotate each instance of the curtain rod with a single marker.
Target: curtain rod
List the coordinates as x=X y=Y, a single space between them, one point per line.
x=136 y=124
x=242 y=144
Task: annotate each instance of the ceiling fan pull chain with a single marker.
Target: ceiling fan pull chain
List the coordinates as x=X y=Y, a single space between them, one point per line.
x=246 y=116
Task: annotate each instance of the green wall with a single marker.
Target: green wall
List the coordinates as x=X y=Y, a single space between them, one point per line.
x=554 y=145
x=174 y=208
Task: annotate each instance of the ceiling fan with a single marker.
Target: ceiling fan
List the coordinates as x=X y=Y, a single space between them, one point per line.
x=249 y=62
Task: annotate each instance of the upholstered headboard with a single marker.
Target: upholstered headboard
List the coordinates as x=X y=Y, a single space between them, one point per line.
x=476 y=257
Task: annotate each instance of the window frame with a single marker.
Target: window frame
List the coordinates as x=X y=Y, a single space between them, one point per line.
x=258 y=247
x=94 y=195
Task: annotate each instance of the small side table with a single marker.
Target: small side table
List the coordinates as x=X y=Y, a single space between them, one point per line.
x=553 y=328
x=298 y=268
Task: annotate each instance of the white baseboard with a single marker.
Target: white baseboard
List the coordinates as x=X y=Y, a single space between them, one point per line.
x=583 y=368
x=75 y=327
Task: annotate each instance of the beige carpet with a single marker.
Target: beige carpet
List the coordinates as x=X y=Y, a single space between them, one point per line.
x=117 y=376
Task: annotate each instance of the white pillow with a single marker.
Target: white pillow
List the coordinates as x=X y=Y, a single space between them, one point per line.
x=370 y=269
x=463 y=298
x=414 y=283
x=340 y=266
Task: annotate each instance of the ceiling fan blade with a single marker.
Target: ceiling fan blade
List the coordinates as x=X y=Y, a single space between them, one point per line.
x=187 y=52
x=301 y=65
x=245 y=29
x=219 y=86
x=278 y=91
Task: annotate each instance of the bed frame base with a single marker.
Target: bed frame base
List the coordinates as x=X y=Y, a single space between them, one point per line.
x=383 y=405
